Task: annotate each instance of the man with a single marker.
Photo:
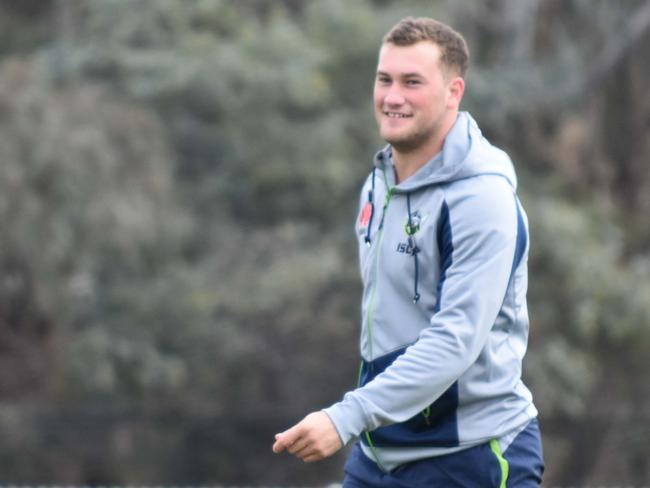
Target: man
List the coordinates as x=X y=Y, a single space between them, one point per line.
x=443 y=246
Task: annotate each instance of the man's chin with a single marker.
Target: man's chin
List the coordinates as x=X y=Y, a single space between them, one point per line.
x=401 y=144
x=395 y=139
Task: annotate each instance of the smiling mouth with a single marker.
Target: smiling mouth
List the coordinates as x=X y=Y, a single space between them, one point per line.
x=396 y=115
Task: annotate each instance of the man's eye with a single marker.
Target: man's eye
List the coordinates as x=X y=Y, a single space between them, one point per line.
x=383 y=80
x=412 y=82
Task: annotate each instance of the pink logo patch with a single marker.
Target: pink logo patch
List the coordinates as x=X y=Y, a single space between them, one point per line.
x=364 y=217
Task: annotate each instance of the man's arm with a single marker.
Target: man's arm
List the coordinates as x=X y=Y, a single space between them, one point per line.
x=484 y=241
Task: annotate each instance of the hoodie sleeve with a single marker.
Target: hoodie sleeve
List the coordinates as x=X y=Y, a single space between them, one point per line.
x=479 y=243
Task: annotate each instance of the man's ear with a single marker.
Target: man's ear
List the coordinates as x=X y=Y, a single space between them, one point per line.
x=455 y=91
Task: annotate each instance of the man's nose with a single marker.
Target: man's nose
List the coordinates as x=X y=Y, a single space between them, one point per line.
x=394 y=96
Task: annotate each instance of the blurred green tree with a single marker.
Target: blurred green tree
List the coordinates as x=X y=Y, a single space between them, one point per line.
x=177 y=191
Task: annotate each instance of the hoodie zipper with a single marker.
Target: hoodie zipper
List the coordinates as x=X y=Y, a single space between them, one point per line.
x=371 y=309
x=373 y=296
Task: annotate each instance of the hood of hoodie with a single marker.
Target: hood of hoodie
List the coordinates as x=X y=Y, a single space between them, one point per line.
x=465 y=153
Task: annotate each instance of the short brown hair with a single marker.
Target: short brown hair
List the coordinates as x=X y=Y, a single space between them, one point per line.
x=454 y=52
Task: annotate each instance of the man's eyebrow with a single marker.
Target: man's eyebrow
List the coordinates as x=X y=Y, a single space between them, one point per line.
x=414 y=74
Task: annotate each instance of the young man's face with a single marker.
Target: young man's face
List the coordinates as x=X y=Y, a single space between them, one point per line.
x=413 y=96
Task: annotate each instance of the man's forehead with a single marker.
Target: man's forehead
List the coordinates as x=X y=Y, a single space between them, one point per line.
x=414 y=58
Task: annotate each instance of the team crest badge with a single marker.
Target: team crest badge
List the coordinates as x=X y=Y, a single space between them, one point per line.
x=413 y=224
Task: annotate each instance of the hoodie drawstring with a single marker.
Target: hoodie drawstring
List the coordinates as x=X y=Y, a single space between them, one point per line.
x=371 y=194
x=410 y=231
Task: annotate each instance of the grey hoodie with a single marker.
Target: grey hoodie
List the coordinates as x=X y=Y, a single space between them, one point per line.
x=443 y=259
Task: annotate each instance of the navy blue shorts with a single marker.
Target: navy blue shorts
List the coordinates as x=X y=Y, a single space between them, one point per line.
x=482 y=466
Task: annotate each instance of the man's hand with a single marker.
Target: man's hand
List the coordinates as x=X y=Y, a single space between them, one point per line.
x=312 y=439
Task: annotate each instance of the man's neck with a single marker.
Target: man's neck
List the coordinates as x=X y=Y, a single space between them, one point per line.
x=408 y=163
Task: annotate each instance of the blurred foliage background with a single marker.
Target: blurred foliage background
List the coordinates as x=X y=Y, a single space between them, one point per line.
x=178 y=184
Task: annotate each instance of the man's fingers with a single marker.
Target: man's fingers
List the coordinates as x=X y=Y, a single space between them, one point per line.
x=278 y=447
x=307 y=450
x=299 y=445
x=312 y=439
x=281 y=443
x=286 y=439
x=302 y=447
x=313 y=457
x=311 y=451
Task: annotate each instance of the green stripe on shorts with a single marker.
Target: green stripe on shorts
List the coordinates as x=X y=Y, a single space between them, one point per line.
x=496 y=449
